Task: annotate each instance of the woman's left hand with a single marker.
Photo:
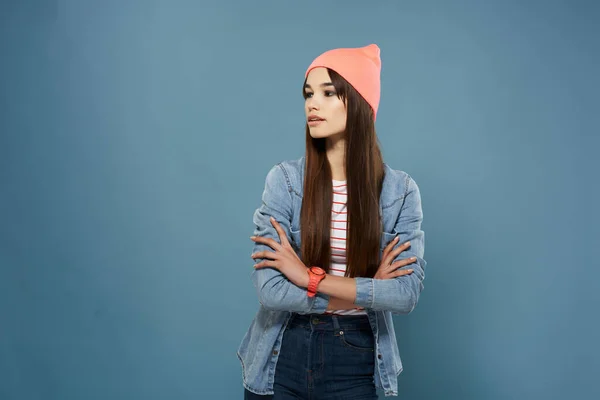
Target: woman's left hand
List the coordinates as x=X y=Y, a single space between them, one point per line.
x=284 y=259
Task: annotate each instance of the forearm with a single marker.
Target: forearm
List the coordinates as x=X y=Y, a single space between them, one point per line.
x=340 y=287
x=398 y=295
x=339 y=304
x=276 y=292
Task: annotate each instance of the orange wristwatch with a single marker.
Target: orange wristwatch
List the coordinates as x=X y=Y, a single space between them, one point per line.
x=316 y=275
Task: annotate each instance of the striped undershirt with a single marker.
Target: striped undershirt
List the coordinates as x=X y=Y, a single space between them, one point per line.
x=339 y=225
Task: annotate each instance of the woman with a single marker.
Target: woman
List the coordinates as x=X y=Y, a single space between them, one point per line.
x=326 y=332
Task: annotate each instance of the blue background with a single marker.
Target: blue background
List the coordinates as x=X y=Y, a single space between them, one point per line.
x=135 y=137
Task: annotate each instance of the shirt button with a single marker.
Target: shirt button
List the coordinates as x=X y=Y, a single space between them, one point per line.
x=275 y=352
x=379 y=356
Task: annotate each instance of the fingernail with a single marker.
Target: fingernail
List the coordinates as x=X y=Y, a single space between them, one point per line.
x=396 y=238
x=407 y=243
x=272 y=219
x=252 y=237
x=414 y=258
x=410 y=270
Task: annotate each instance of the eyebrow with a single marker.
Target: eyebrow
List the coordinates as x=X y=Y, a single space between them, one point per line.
x=307 y=86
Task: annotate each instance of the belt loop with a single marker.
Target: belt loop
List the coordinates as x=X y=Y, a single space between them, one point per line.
x=336 y=323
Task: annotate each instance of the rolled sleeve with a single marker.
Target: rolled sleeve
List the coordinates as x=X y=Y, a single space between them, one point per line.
x=401 y=294
x=275 y=291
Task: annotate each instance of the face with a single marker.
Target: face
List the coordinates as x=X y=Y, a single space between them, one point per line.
x=325 y=112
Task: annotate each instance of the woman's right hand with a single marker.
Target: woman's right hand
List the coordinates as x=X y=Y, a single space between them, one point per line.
x=388 y=269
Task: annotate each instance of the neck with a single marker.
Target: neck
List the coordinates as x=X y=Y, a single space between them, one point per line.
x=336 y=155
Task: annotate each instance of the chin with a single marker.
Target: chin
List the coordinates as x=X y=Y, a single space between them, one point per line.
x=316 y=134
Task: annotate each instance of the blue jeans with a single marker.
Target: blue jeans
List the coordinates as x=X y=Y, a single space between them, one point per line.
x=324 y=357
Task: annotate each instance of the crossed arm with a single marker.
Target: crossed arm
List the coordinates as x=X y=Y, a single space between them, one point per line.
x=275 y=291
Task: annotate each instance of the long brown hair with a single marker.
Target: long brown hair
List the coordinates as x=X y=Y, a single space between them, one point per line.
x=364 y=174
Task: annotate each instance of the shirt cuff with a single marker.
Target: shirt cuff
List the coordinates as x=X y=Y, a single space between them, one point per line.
x=320 y=304
x=364 y=292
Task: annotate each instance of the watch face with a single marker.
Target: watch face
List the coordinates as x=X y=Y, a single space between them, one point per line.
x=317 y=271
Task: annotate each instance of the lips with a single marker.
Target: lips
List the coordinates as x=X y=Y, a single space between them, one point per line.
x=314 y=118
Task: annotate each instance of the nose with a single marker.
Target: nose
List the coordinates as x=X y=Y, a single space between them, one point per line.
x=311 y=104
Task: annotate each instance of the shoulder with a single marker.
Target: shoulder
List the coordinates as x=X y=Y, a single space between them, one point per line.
x=397 y=184
x=286 y=174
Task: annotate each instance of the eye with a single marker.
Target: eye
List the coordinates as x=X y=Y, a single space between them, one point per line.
x=307 y=95
x=329 y=93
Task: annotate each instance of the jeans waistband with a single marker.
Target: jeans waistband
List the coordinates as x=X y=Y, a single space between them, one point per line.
x=331 y=322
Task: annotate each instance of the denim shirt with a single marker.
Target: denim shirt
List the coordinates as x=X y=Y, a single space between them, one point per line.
x=400 y=208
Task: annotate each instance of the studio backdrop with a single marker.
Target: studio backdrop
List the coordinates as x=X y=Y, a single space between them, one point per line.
x=135 y=138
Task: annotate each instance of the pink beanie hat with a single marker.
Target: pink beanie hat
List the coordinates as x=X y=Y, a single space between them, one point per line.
x=360 y=66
